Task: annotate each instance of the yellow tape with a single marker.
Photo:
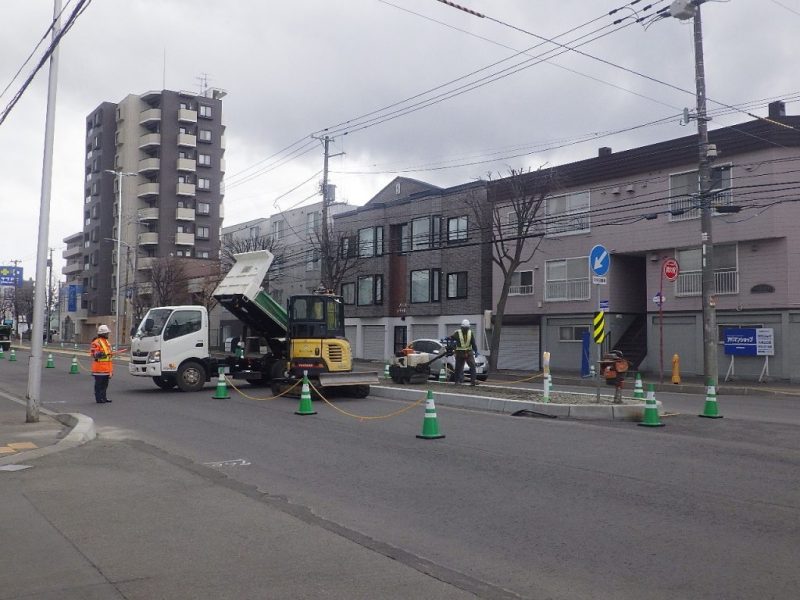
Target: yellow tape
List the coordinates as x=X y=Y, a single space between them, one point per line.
x=283 y=393
x=368 y=417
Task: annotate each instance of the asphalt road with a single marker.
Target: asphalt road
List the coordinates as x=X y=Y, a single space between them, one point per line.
x=534 y=508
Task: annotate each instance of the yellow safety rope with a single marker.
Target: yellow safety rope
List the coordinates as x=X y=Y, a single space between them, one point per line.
x=283 y=393
x=367 y=417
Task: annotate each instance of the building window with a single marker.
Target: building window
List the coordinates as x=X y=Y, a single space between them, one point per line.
x=521 y=283
x=684 y=189
x=203 y=208
x=205 y=111
x=203 y=183
x=726 y=271
x=457 y=229
x=370 y=290
x=457 y=285
x=567 y=279
x=370 y=242
x=205 y=135
x=425 y=232
x=567 y=214
x=204 y=160
x=202 y=254
x=313 y=221
x=572 y=333
x=203 y=232
x=349 y=293
x=312 y=260
x=426 y=285
x=277 y=229
x=347 y=247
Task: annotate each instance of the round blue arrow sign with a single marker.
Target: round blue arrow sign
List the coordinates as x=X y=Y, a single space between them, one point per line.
x=599 y=260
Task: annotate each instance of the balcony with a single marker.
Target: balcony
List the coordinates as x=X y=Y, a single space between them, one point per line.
x=222 y=142
x=148 y=214
x=149 y=164
x=147 y=189
x=148 y=239
x=691 y=283
x=222 y=164
x=187 y=139
x=145 y=263
x=575 y=289
x=185 y=189
x=71 y=251
x=151 y=115
x=184 y=214
x=71 y=268
x=184 y=239
x=187 y=164
x=686 y=208
x=187 y=116
x=145 y=288
x=520 y=290
x=149 y=140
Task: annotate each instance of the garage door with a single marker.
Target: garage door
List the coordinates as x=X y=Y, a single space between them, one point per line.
x=428 y=332
x=350 y=332
x=374 y=342
x=519 y=348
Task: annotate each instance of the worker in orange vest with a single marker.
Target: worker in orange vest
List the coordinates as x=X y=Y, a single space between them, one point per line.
x=102 y=367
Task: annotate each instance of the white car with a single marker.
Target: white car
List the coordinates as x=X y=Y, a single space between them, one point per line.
x=435 y=347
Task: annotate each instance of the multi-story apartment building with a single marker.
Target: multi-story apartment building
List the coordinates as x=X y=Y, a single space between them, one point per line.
x=169 y=147
x=643 y=205
x=73 y=303
x=422 y=264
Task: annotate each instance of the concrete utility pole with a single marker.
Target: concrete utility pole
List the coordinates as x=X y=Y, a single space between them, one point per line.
x=120 y=175
x=35 y=365
x=326 y=259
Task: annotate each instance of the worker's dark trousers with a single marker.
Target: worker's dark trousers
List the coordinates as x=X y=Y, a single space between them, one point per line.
x=461 y=358
x=100 y=387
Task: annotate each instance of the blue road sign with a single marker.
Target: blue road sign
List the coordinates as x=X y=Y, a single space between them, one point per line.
x=599 y=260
x=11 y=276
x=603 y=305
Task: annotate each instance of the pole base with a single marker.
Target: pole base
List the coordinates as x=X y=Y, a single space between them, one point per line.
x=711 y=416
x=650 y=424
x=430 y=437
x=305 y=413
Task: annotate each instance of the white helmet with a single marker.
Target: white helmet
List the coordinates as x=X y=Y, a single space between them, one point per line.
x=103 y=329
x=465 y=323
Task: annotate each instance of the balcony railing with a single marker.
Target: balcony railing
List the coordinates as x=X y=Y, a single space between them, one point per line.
x=145 y=263
x=685 y=208
x=148 y=214
x=187 y=164
x=147 y=189
x=185 y=189
x=520 y=290
x=187 y=139
x=71 y=268
x=184 y=239
x=575 y=289
x=184 y=214
x=71 y=251
x=150 y=139
x=150 y=115
x=149 y=164
x=148 y=239
x=691 y=283
x=186 y=115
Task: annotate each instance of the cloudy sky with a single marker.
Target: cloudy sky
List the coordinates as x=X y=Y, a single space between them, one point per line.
x=297 y=67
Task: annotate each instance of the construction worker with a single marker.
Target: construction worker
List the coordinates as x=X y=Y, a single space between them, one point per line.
x=102 y=367
x=465 y=352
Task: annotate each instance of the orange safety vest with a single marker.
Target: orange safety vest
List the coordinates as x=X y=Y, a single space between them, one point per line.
x=101 y=366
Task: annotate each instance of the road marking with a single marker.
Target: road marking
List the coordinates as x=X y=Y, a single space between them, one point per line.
x=7 y=450
x=14 y=467
x=236 y=462
x=23 y=446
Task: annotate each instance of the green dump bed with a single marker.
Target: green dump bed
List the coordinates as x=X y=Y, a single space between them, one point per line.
x=241 y=294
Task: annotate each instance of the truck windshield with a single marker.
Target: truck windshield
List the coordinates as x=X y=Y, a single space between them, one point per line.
x=153 y=322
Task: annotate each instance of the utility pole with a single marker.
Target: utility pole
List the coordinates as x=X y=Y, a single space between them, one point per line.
x=35 y=365
x=326 y=259
x=50 y=297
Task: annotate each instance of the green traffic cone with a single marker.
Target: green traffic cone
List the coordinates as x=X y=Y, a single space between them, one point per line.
x=651 y=410
x=221 y=393
x=50 y=362
x=13 y=356
x=73 y=368
x=2 y=355
x=638 y=388
x=430 y=425
x=386 y=371
x=443 y=375
x=710 y=409
x=306 y=408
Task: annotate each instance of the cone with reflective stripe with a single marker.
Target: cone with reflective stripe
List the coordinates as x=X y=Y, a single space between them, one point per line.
x=638 y=389
x=386 y=371
x=711 y=410
x=430 y=426
x=651 y=410
x=221 y=393
x=50 y=362
x=13 y=356
x=305 y=408
x=73 y=368
x=443 y=375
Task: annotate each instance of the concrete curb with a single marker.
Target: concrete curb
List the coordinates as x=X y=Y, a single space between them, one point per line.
x=82 y=430
x=605 y=412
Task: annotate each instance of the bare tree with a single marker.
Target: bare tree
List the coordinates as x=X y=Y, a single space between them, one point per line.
x=169 y=281
x=342 y=255
x=515 y=210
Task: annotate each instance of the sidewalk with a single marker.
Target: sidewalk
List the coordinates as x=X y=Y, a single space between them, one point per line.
x=127 y=520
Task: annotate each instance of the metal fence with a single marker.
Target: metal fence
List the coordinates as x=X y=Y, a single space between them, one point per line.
x=691 y=283
x=573 y=289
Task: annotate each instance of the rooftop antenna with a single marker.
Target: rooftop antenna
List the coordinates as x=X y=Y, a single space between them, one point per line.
x=203 y=79
x=164 y=70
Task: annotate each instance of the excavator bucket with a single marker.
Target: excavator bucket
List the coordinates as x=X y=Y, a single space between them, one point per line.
x=350 y=378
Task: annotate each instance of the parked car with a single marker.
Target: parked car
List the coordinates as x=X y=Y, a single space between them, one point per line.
x=436 y=346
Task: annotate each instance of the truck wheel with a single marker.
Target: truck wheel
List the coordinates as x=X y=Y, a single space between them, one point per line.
x=360 y=391
x=191 y=376
x=165 y=382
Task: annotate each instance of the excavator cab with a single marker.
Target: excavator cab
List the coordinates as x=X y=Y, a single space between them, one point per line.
x=316 y=316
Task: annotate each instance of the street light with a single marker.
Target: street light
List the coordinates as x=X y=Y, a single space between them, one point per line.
x=119 y=175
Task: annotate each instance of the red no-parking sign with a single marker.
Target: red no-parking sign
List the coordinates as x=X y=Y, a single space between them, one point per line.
x=670 y=269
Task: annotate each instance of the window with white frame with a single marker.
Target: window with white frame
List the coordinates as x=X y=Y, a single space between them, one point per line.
x=572 y=333
x=313 y=221
x=457 y=285
x=203 y=183
x=277 y=229
x=203 y=208
x=204 y=160
x=684 y=188
x=203 y=232
x=567 y=279
x=567 y=214
x=205 y=111
x=457 y=229
x=726 y=270
x=205 y=135
x=521 y=283
x=349 y=293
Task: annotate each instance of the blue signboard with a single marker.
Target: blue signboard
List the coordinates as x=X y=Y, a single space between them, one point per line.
x=749 y=341
x=73 y=291
x=11 y=276
x=599 y=260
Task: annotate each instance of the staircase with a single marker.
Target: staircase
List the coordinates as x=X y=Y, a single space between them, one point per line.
x=633 y=343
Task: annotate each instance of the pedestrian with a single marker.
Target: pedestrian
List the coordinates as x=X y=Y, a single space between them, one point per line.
x=466 y=350
x=102 y=366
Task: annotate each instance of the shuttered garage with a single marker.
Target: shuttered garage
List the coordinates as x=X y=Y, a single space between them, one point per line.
x=350 y=332
x=426 y=332
x=519 y=347
x=374 y=341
